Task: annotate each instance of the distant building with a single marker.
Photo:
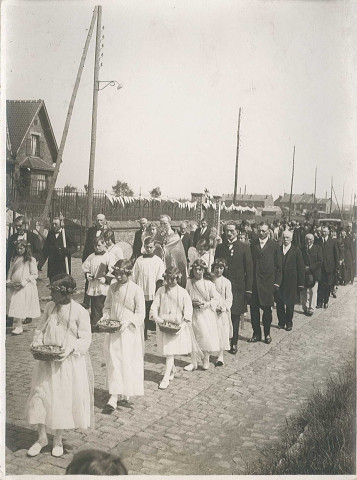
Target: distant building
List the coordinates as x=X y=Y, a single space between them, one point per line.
x=31 y=147
x=245 y=200
x=302 y=203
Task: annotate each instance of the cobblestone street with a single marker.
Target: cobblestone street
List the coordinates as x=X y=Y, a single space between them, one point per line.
x=206 y=422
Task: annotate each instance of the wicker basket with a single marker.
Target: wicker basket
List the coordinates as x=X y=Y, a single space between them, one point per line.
x=108 y=326
x=168 y=327
x=47 y=353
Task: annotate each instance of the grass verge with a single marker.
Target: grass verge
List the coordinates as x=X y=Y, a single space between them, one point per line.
x=321 y=438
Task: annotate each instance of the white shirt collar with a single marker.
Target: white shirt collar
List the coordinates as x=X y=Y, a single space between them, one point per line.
x=263 y=242
x=286 y=248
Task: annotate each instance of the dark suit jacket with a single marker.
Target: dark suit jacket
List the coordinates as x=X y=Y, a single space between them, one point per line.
x=186 y=241
x=267 y=265
x=88 y=245
x=330 y=255
x=54 y=251
x=197 y=235
x=293 y=275
x=313 y=259
x=298 y=237
x=239 y=272
x=32 y=238
x=137 y=244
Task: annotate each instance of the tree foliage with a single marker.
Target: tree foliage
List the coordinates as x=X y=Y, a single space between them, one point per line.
x=69 y=188
x=122 y=189
x=155 y=192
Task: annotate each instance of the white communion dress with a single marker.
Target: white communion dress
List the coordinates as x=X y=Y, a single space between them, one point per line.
x=23 y=302
x=173 y=305
x=225 y=329
x=62 y=391
x=124 y=351
x=204 y=321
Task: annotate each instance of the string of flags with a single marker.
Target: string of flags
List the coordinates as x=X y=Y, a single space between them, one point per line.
x=124 y=201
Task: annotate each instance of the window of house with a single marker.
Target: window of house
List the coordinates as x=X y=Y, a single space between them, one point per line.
x=41 y=182
x=35 y=145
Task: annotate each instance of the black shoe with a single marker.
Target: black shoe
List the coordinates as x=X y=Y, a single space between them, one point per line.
x=233 y=350
x=334 y=295
x=281 y=327
x=219 y=364
x=254 y=339
x=108 y=409
x=325 y=305
x=288 y=329
x=27 y=320
x=267 y=339
x=319 y=305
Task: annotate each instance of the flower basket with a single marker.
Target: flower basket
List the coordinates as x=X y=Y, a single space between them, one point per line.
x=168 y=327
x=47 y=353
x=108 y=326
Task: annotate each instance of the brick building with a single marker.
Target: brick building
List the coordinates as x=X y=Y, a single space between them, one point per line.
x=31 y=147
x=302 y=203
x=246 y=200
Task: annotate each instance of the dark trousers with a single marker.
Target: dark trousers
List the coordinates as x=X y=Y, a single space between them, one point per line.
x=325 y=284
x=255 y=317
x=285 y=313
x=235 y=323
x=86 y=299
x=148 y=324
x=96 y=308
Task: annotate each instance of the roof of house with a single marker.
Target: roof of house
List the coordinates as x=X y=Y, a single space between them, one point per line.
x=246 y=197
x=36 y=163
x=302 y=198
x=20 y=115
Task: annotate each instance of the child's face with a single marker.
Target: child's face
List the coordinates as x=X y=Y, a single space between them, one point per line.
x=218 y=271
x=20 y=249
x=198 y=272
x=121 y=276
x=171 y=281
x=149 y=248
x=100 y=247
x=201 y=250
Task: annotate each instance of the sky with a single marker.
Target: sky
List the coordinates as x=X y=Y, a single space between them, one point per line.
x=186 y=68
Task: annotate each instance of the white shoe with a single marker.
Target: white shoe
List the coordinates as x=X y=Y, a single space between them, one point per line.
x=190 y=368
x=205 y=365
x=35 y=449
x=17 y=331
x=164 y=384
x=57 y=451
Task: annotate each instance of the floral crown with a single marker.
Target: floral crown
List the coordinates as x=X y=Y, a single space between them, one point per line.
x=62 y=288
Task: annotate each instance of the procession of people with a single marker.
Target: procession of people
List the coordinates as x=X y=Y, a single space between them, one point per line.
x=191 y=287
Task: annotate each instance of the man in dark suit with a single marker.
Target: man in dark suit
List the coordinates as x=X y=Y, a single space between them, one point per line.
x=185 y=236
x=312 y=256
x=240 y=273
x=55 y=251
x=137 y=245
x=330 y=264
x=266 y=258
x=22 y=234
x=292 y=282
x=202 y=233
x=92 y=233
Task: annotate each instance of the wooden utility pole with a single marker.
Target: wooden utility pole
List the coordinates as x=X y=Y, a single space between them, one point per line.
x=331 y=196
x=343 y=198
x=236 y=168
x=94 y=119
x=68 y=119
x=315 y=189
x=292 y=183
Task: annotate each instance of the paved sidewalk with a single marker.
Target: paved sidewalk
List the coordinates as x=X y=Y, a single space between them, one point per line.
x=206 y=422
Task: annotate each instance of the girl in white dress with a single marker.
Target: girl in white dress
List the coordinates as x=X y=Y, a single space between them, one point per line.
x=172 y=304
x=22 y=295
x=205 y=300
x=124 y=350
x=224 y=288
x=61 y=391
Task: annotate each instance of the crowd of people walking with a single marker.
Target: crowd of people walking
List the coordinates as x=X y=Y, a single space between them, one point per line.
x=192 y=286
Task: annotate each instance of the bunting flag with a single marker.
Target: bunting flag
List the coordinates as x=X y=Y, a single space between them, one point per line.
x=123 y=201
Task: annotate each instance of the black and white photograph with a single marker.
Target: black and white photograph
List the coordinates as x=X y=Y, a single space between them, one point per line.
x=179 y=184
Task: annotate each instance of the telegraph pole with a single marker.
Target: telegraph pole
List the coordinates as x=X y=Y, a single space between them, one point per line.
x=315 y=189
x=236 y=169
x=94 y=119
x=292 y=182
x=331 y=196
